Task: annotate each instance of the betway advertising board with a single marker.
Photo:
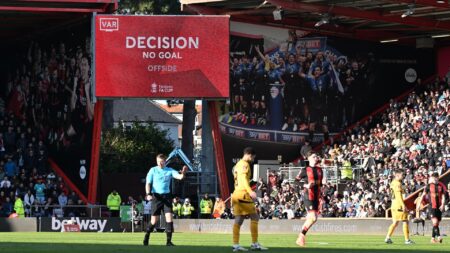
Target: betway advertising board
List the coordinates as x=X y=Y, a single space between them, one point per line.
x=162 y=56
x=86 y=224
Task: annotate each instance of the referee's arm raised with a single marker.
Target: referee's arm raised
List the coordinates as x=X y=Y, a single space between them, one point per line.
x=180 y=176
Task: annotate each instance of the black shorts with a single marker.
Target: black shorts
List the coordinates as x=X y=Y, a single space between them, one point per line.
x=161 y=202
x=436 y=213
x=311 y=205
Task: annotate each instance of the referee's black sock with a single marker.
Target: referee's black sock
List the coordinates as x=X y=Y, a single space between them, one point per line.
x=169 y=231
x=149 y=229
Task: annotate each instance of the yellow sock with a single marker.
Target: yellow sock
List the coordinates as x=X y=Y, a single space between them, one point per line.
x=236 y=231
x=406 y=230
x=391 y=230
x=254 y=230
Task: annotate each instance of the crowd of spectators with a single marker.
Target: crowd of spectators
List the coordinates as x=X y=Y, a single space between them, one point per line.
x=412 y=135
x=319 y=88
x=44 y=107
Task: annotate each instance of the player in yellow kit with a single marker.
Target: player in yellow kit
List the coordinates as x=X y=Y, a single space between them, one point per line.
x=398 y=208
x=242 y=201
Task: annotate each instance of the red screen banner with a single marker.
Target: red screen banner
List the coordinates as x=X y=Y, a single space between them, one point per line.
x=162 y=56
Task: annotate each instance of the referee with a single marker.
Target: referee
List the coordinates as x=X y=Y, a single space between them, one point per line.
x=158 y=184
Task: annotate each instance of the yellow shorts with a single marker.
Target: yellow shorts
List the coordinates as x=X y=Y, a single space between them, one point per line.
x=242 y=203
x=399 y=216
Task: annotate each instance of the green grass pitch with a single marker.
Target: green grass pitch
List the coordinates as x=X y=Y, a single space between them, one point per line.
x=208 y=243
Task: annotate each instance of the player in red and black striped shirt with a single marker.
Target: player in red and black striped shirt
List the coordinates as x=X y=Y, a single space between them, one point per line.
x=313 y=177
x=436 y=196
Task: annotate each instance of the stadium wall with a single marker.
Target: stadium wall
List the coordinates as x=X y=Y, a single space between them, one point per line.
x=374 y=226
x=323 y=226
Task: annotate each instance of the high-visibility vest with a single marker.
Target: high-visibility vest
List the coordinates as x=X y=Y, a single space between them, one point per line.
x=347 y=171
x=113 y=202
x=176 y=208
x=18 y=207
x=186 y=210
x=206 y=206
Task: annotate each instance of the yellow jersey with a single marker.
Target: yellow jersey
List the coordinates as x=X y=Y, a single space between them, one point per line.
x=397 y=195
x=241 y=172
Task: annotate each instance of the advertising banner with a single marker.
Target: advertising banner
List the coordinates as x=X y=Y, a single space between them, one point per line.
x=125 y=213
x=370 y=226
x=268 y=135
x=162 y=56
x=53 y=224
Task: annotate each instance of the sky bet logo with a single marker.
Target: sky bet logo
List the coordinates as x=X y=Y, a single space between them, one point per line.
x=109 y=24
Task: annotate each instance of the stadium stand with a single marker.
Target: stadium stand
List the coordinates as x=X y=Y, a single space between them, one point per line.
x=411 y=135
x=44 y=108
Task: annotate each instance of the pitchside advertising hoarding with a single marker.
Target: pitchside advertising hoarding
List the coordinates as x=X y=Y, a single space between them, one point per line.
x=53 y=224
x=162 y=56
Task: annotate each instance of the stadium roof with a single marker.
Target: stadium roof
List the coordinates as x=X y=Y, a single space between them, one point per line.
x=21 y=18
x=374 y=20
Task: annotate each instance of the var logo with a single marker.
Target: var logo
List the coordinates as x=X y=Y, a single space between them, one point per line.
x=109 y=24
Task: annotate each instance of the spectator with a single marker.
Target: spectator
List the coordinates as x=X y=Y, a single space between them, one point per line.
x=2 y=173
x=10 y=140
x=147 y=204
x=11 y=168
x=288 y=213
x=176 y=208
x=41 y=162
x=7 y=207
x=113 y=203
x=130 y=201
x=38 y=209
x=362 y=212
x=62 y=199
x=261 y=188
x=74 y=197
x=31 y=161
x=5 y=183
x=71 y=210
x=306 y=148
x=48 y=208
x=40 y=188
x=351 y=212
x=219 y=208
x=28 y=203
x=206 y=206
x=187 y=209
x=20 y=190
x=18 y=207
x=51 y=177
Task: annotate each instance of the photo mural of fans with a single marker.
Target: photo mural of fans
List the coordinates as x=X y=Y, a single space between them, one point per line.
x=299 y=83
x=48 y=96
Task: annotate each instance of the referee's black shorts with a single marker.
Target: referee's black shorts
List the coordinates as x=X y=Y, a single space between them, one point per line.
x=161 y=202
